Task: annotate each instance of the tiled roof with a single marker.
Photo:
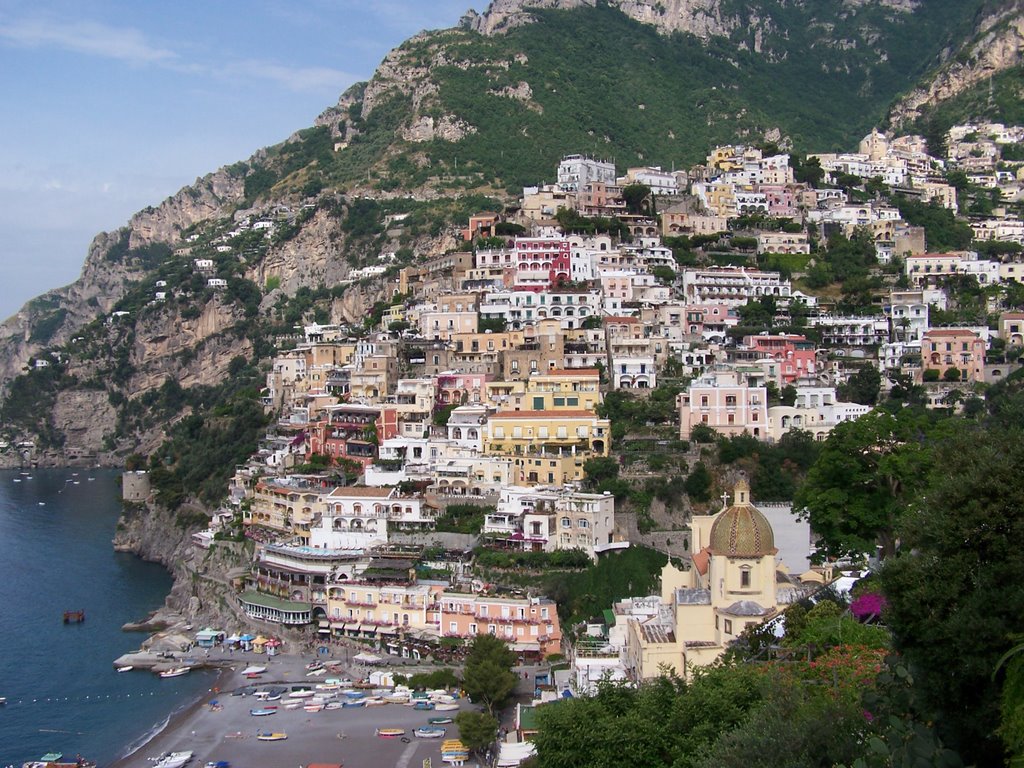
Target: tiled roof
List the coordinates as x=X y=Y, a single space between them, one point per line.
x=581 y=414
x=373 y=493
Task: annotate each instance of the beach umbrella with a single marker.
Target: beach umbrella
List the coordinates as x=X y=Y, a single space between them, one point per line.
x=247 y=638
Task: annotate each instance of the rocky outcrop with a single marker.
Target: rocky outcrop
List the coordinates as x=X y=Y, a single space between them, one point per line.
x=702 y=18
x=105 y=279
x=998 y=47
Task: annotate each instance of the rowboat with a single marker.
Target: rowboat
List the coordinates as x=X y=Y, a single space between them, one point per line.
x=424 y=705
x=373 y=701
x=302 y=693
x=172 y=760
x=430 y=732
x=440 y=720
x=263 y=711
x=390 y=733
x=353 y=703
x=293 y=705
x=446 y=707
x=253 y=670
x=396 y=698
x=313 y=707
x=278 y=736
x=332 y=705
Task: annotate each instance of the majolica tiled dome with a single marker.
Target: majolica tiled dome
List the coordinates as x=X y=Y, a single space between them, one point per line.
x=741 y=530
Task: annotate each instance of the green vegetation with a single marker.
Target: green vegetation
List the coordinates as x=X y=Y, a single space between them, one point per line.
x=462 y=518
x=487 y=676
x=517 y=559
x=617 y=575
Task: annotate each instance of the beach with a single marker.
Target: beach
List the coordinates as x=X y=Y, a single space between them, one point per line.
x=227 y=731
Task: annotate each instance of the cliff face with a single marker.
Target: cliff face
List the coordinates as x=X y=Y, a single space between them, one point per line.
x=104 y=280
x=998 y=46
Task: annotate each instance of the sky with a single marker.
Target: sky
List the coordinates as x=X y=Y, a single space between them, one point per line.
x=109 y=106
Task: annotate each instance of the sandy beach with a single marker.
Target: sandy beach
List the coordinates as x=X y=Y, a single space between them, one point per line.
x=347 y=736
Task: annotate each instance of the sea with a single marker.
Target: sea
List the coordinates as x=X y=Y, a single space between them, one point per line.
x=63 y=693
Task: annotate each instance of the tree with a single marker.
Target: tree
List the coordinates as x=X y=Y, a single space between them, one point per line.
x=863 y=386
x=954 y=592
x=952 y=374
x=698 y=483
x=477 y=730
x=487 y=677
x=638 y=199
x=863 y=480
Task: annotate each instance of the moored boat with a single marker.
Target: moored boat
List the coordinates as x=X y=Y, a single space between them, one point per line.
x=125 y=668
x=390 y=733
x=175 y=672
x=55 y=760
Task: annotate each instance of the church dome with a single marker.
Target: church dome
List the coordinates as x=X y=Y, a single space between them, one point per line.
x=741 y=530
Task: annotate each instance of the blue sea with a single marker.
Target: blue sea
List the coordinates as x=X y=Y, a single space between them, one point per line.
x=62 y=691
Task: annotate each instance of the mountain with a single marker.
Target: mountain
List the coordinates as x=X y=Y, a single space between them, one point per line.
x=452 y=122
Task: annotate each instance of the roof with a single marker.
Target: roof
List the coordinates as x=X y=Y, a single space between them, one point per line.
x=657 y=633
x=746 y=608
x=701 y=560
x=269 y=601
x=741 y=530
x=693 y=597
x=572 y=372
x=950 y=332
x=375 y=493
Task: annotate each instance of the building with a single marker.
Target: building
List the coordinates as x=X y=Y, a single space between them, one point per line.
x=732 y=583
x=722 y=400
x=957 y=348
x=575 y=171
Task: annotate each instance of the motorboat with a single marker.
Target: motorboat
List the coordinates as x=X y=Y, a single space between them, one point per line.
x=175 y=671
x=353 y=703
x=390 y=733
x=293 y=705
x=430 y=732
x=314 y=706
x=172 y=760
x=54 y=760
x=267 y=736
x=443 y=707
x=373 y=701
x=440 y=720
x=421 y=705
x=253 y=670
x=301 y=693
x=125 y=668
x=332 y=705
x=263 y=711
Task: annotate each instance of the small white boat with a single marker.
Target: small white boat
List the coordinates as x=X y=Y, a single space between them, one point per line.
x=332 y=705
x=175 y=671
x=293 y=705
x=446 y=707
x=302 y=693
x=430 y=732
x=254 y=670
x=125 y=668
x=172 y=760
x=313 y=707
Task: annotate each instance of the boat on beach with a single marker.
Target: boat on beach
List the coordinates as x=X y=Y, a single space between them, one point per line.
x=446 y=707
x=171 y=760
x=440 y=720
x=263 y=711
x=430 y=732
x=390 y=733
x=175 y=672
x=301 y=693
x=253 y=670
x=268 y=736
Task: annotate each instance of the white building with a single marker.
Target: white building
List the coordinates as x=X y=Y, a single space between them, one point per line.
x=576 y=171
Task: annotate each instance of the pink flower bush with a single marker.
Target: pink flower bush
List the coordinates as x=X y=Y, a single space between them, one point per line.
x=867 y=605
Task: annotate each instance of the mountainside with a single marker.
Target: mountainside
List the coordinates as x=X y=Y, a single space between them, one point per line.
x=453 y=122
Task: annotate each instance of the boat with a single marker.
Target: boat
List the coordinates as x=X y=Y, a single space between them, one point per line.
x=440 y=720
x=175 y=672
x=373 y=701
x=263 y=711
x=430 y=732
x=314 y=666
x=442 y=707
x=254 y=670
x=424 y=705
x=301 y=693
x=293 y=705
x=277 y=736
x=172 y=760
x=3 y=700
x=353 y=703
x=390 y=733
x=315 y=672
x=396 y=698
x=442 y=698
x=314 y=706
x=332 y=705
x=126 y=668
x=54 y=760
x=218 y=763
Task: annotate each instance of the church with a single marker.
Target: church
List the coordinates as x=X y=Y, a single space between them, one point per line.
x=733 y=582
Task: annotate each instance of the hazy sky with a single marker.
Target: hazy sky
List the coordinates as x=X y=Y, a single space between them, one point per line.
x=112 y=105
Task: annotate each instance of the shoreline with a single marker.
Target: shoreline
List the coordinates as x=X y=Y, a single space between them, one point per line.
x=176 y=719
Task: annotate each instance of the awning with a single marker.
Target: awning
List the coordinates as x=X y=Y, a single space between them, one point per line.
x=389 y=630
x=526 y=646
x=324 y=631
x=323 y=623
x=338 y=625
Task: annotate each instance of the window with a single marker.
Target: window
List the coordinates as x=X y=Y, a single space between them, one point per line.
x=566 y=522
x=745 y=578
x=728 y=627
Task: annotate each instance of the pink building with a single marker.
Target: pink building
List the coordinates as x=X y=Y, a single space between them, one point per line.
x=459 y=388
x=794 y=353
x=721 y=399
x=539 y=257
x=945 y=348
x=528 y=625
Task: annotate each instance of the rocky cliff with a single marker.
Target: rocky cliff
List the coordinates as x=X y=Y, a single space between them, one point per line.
x=997 y=46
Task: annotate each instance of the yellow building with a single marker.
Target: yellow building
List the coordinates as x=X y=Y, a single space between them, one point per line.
x=558 y=431
x=385 y=609
x=286 y=508
x=732 y=584
x=548 y=469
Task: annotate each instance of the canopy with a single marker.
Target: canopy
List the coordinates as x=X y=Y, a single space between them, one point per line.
x=247 y=638
x=261 y=640
x=232 y=639
x=366 y=658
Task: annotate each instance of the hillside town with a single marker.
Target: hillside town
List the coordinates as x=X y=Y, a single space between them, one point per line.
x=469 y=412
